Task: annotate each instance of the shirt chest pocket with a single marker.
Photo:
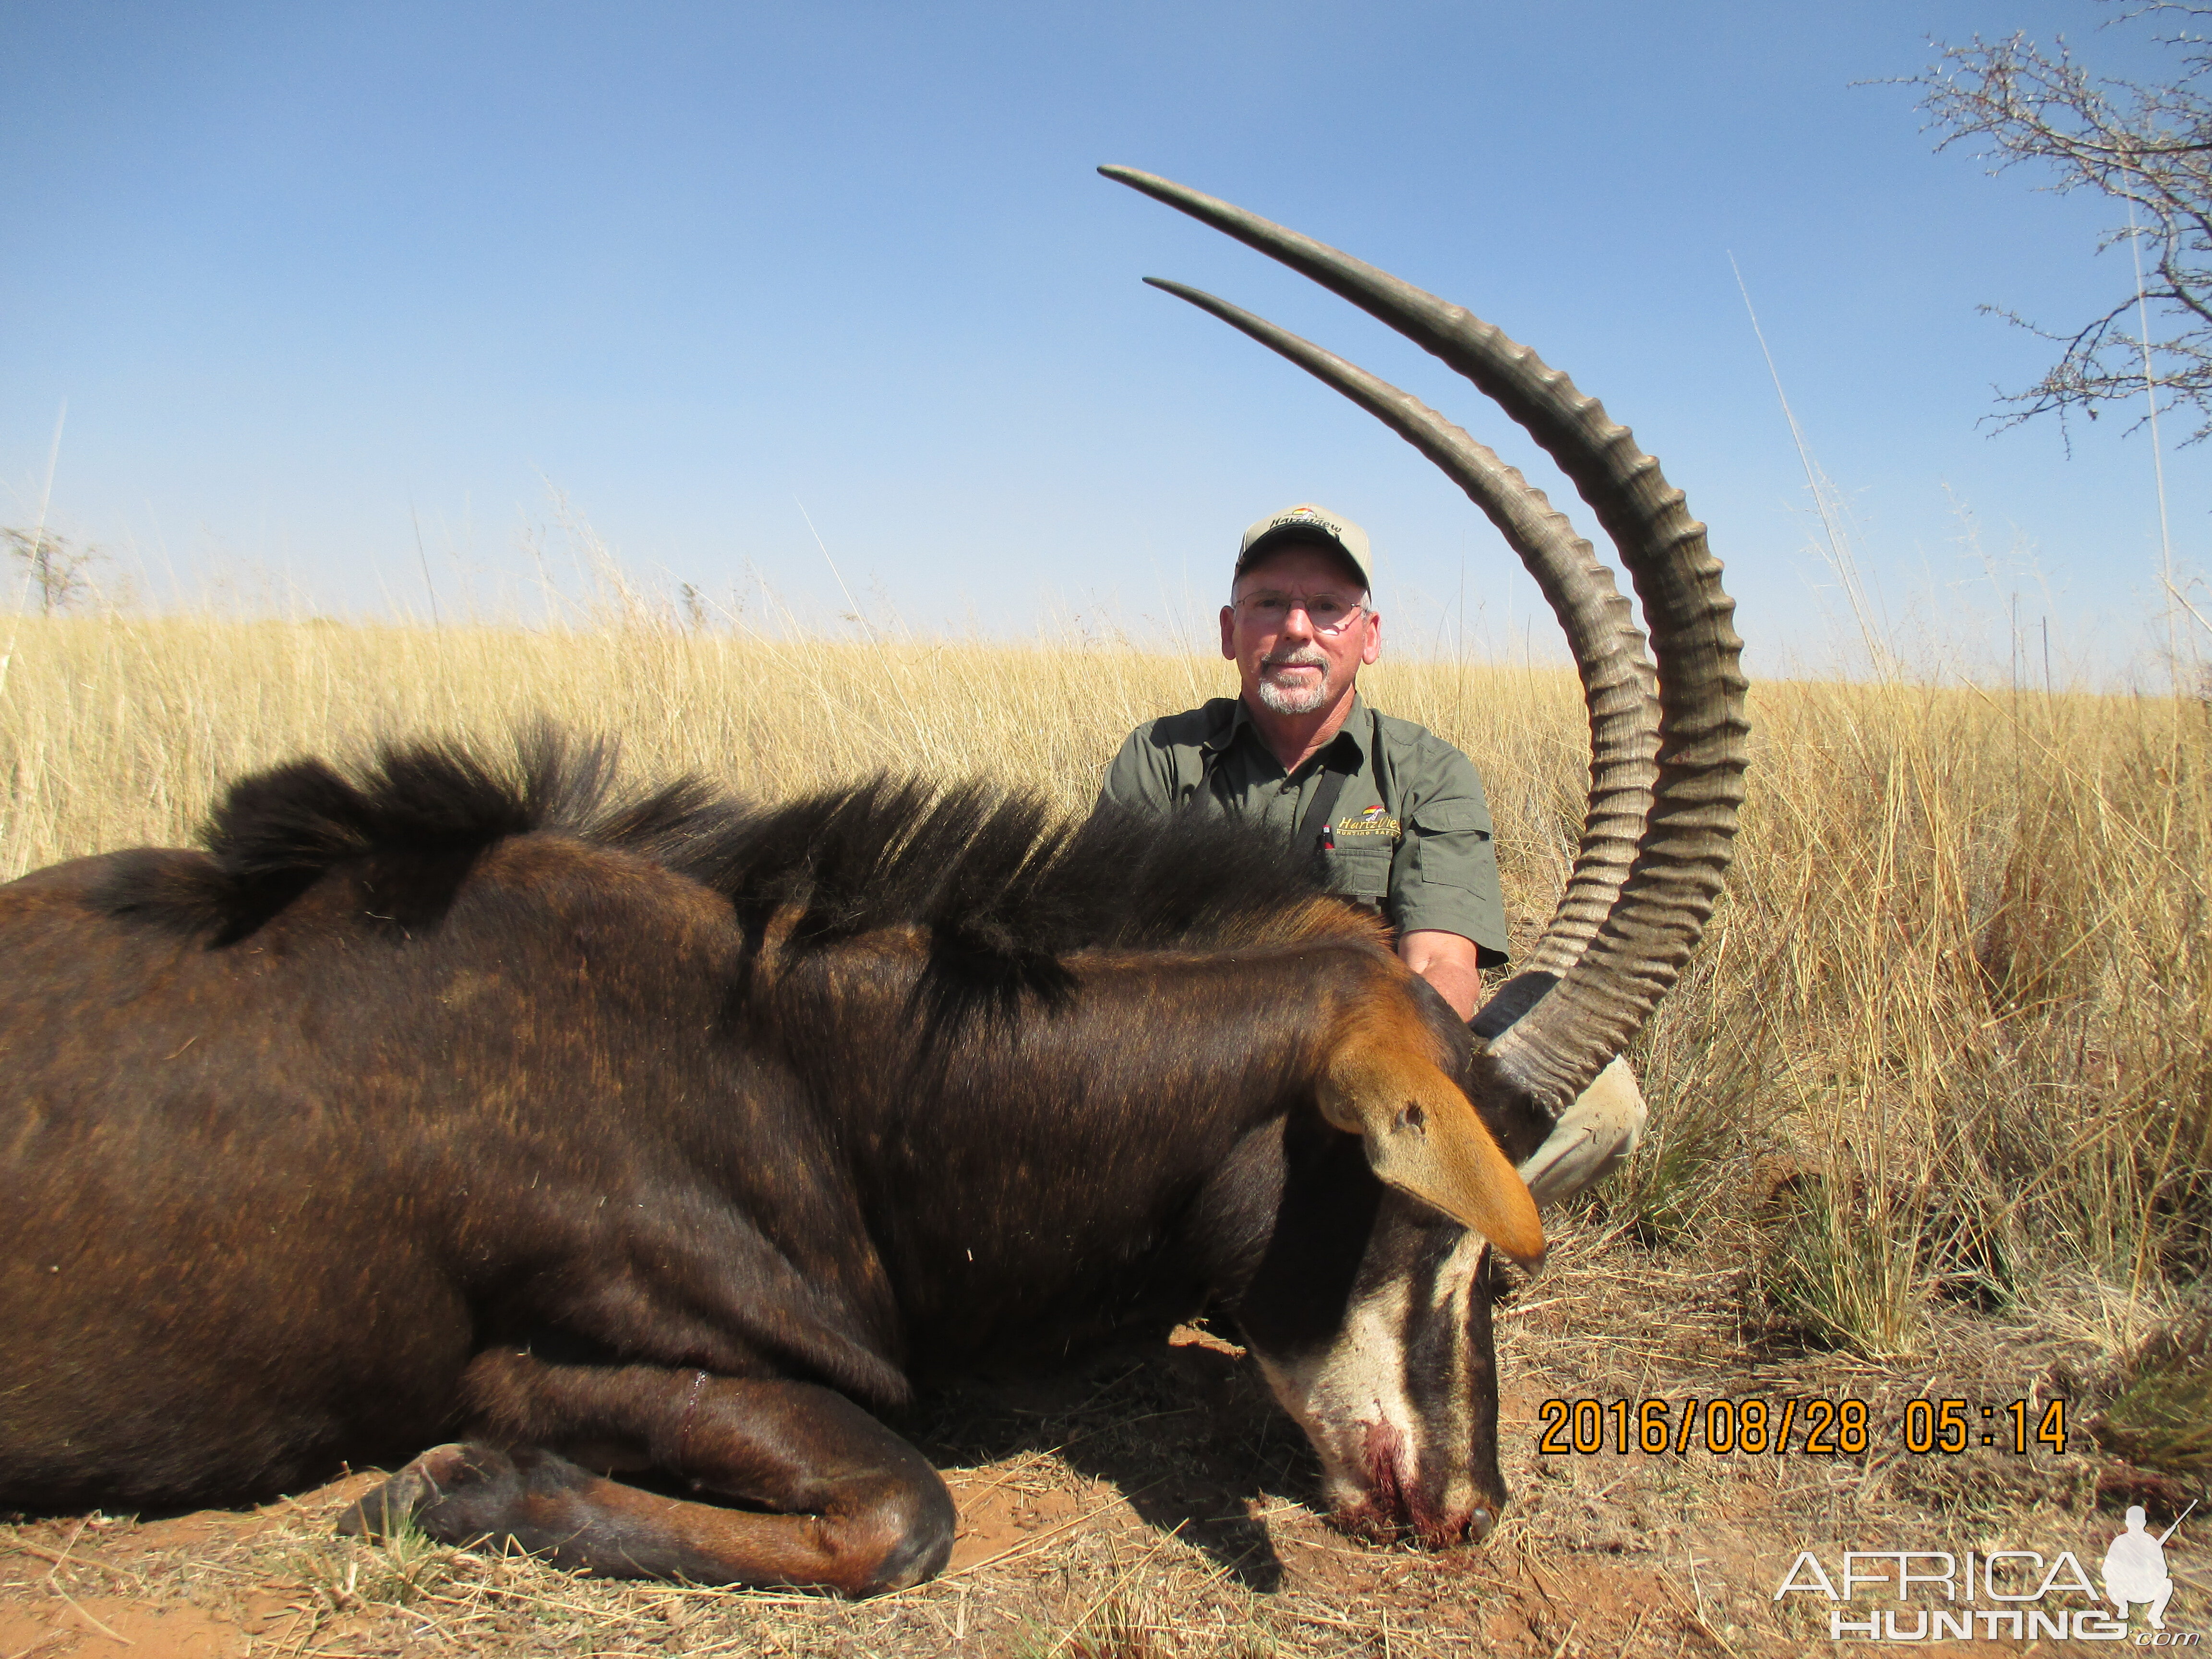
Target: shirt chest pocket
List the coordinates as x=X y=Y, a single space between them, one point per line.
x=1361 y=868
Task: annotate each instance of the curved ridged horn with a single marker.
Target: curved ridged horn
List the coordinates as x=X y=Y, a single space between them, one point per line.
x=1618 y=681
x=1654 y=918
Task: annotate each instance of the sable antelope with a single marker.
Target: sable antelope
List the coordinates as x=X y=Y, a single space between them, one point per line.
x=612 y=1132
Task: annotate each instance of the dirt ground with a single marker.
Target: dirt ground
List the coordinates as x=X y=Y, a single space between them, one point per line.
x=1151 y=1502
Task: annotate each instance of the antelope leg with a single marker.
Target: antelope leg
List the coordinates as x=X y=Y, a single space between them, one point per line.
x=853 y=1507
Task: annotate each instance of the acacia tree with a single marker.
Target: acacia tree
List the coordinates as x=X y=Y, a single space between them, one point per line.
x=56 y=567
x=2148 y=146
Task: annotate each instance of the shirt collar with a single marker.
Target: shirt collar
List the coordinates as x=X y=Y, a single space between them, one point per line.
x=1353 y=733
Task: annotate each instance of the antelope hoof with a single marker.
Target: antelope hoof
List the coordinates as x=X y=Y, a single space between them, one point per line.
x=394 y=1507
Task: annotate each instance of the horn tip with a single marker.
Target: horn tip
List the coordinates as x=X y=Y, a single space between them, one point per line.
x=1197 y=296
x=1149 y=184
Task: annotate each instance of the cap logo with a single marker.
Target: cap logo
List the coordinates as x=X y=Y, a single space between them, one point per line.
x=1349 y=540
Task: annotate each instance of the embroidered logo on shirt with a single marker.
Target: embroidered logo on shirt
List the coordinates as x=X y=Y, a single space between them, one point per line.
x=1372 y=821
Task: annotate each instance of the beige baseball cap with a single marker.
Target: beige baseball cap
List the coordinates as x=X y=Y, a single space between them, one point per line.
x=1308 y=523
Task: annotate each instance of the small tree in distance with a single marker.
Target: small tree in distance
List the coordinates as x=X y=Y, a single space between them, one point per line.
x=2148 y=146
x=56 y=569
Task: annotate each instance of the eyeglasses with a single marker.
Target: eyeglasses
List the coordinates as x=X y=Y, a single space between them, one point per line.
x=1329 y=613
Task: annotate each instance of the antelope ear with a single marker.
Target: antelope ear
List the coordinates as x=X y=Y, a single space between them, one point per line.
x=1425 y=1138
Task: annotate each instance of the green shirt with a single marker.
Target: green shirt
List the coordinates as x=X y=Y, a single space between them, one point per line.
x=1410 y=833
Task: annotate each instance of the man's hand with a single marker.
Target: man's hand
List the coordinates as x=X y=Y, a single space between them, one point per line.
x=1447 y=961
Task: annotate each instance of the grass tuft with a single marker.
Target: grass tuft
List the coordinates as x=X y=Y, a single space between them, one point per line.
x=1846 y=1274
x=1682 y=1176
x=402 y=1567
x=2159 y=1416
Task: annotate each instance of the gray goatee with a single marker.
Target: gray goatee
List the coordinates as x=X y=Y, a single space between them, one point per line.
x=1291 y=700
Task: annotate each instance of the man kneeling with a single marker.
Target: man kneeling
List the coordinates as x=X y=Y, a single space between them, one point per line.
x=1396 y=813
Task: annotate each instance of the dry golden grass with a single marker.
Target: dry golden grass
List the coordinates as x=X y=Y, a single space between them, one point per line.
x=1933 y=1100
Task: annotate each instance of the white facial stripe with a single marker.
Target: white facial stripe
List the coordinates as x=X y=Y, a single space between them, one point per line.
x=1450 y=1306
x=1355 y=1396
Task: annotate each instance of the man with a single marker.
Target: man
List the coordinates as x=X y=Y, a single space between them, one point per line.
x=1400 y=821
x=2135 y=1568
x=1395 y=812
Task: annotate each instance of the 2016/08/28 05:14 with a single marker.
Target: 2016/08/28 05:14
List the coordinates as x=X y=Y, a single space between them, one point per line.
x=1757 y=1427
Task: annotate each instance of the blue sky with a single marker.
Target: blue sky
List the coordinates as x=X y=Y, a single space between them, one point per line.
x=307 y=278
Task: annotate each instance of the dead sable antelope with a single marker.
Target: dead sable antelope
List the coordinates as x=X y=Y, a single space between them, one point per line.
x=603 y=1133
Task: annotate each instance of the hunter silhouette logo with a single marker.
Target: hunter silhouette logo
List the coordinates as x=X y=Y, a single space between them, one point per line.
x=2135 y=1567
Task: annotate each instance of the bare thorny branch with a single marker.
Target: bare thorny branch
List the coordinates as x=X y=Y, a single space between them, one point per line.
x=2146 y=147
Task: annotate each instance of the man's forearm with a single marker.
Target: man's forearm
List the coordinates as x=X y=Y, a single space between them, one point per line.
x=1447 y=961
